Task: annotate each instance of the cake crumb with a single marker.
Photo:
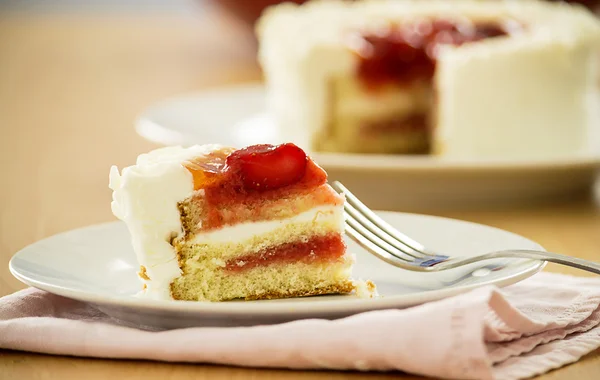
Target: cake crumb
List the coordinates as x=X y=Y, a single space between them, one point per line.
x=366 y=289
x=143 y=274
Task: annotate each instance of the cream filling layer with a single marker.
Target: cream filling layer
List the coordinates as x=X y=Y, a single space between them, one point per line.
x=246 y=231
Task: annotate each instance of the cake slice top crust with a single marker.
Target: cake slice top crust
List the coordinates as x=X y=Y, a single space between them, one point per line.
x=266 y=171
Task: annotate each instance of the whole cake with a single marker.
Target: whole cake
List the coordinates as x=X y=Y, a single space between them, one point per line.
x=212 y=223
x=459 y=78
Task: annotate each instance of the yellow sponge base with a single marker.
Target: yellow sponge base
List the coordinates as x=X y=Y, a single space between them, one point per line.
x=211 y=283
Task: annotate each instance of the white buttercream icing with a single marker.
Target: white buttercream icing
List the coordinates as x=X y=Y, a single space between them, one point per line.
x=145 y=197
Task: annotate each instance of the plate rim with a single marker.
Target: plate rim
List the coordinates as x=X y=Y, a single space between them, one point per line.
x=148 y=128
x=241 y=308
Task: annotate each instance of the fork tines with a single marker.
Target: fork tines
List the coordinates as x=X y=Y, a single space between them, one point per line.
x=381 y=239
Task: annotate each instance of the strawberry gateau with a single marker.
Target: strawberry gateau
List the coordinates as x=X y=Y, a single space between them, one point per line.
x=213 y=223
x=467 y=79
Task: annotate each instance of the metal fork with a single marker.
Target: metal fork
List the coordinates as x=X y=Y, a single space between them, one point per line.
x=393 y=247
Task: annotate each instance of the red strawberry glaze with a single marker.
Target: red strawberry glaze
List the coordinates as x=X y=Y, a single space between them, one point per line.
x=264 y=167
x=318 y=249
x=407 y=53
x=208 y=170
x=253 y=174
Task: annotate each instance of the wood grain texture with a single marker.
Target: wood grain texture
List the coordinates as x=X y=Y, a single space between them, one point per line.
x=70 y=88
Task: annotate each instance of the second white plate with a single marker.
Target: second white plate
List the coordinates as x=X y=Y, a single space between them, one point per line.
x=96 y=264
x=236 y=116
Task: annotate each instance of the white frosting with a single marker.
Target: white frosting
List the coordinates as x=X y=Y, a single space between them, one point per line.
x=245 y=231
x=528 y=98
x=145 y=197
x=532 y=94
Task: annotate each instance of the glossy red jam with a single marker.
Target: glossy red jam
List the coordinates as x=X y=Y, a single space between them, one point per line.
x=407 y=53
x=259 y=171
x=318 y=249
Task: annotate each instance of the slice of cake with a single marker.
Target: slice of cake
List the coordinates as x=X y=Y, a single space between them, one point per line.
x=213 y=223
x=459 y=78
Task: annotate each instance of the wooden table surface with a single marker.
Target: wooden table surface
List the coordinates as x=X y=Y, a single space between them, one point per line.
x=70 y=88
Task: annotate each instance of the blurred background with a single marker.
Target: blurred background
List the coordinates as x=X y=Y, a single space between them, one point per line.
x=98 y=5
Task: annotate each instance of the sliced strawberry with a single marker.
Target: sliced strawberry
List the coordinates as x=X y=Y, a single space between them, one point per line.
x=267 y=167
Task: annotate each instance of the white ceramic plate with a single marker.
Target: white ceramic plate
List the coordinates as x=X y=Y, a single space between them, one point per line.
x=96 y=264
x=236 y=116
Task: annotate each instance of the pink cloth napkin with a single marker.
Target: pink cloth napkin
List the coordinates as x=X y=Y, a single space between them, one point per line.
x=518 y=332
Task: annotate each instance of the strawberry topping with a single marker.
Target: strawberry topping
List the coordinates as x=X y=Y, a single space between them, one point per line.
x=243 y=179
x=267 y=167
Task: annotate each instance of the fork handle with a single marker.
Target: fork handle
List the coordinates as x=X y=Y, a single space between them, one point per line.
x=586 y=265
